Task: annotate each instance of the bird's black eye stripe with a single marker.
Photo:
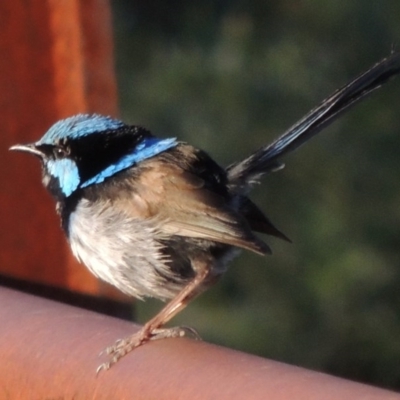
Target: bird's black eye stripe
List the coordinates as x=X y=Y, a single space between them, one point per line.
x=93 y=153
x=56 y=152
x=61 y=152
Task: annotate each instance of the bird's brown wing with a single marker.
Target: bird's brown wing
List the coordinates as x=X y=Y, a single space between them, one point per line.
x=180 y=200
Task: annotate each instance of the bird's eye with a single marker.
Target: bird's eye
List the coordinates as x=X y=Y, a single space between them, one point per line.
x=60 y=152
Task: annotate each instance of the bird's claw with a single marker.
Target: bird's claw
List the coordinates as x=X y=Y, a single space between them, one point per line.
x=103 y=367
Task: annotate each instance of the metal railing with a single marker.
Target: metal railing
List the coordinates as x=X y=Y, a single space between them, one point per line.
x=50 y=350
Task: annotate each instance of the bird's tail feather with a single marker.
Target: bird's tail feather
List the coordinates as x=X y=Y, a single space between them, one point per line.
x=267 y=158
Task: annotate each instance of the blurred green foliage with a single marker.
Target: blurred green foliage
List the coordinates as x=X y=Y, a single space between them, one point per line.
x=228 y=77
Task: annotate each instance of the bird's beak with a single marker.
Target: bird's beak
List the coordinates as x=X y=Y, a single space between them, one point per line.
x=28 y=148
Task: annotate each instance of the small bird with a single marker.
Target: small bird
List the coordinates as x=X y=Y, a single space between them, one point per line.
x=160 y=218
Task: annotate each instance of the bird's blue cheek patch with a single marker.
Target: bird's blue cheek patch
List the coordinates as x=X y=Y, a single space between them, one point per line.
x=148 y=148
x=67 y=174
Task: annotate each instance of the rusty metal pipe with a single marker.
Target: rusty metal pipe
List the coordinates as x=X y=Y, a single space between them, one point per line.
x=50 y=350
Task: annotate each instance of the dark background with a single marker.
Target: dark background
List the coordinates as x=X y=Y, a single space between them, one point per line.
x=228 y=77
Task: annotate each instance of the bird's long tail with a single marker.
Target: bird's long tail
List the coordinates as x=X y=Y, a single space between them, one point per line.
x=267 y=158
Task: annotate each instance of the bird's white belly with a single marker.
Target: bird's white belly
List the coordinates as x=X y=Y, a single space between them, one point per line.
x=121 y=250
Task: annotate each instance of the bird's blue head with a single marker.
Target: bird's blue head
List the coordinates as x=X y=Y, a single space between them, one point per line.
x=87 y=149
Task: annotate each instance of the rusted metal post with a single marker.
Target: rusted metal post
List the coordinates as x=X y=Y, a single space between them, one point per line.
x=50 y=351
x=56 y=60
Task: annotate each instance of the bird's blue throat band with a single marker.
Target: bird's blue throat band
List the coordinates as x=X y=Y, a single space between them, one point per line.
x=66 y=171
x=149 y=147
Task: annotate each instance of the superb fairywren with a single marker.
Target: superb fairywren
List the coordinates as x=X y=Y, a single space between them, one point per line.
x=158 y=217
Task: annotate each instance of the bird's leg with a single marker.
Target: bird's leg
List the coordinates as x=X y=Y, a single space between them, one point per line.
x=152 y=329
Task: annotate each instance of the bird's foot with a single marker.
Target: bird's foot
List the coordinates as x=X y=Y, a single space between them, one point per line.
x=124 y=346
x=174 y=332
